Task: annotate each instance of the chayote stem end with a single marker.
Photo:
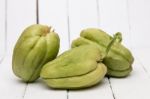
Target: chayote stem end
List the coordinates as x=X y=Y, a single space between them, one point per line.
x=48 y=30
x=116 y=38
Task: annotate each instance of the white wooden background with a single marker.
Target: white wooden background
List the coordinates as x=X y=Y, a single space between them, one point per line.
x=69 y=17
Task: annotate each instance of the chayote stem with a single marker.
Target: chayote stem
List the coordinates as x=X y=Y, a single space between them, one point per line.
x=116 y=38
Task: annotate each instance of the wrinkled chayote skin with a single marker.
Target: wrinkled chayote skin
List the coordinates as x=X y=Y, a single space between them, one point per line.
x=76 y=68
x=118 y=59
x=37 y=45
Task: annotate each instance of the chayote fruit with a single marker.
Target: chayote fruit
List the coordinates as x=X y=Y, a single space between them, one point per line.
x=76 y=68
x=116 y=57
x=37 y=45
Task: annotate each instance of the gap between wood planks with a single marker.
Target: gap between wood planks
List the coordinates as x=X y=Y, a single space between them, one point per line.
x=37 y=22
x=99 y=21
x=98 y=24
x=68 y=23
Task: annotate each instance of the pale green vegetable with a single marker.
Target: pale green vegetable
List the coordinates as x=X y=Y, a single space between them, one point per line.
x=76 y=68
x=116 y=57
x=37 y=45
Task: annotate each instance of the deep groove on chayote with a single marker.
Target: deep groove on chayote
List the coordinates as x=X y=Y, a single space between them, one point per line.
x=37 y=45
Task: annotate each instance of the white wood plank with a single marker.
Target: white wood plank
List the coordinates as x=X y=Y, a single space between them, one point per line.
x=39 y=90
x=20 y=14
x=143 y=57
x=83 y=14
x=139 y=13
x=101 y=91
x=114 y=17
x=2 y=29
x=139 y=20
x=52 y=13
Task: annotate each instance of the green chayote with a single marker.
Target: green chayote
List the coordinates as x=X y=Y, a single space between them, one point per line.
x=76 y=68
x=37 y=45
x=116 y=57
